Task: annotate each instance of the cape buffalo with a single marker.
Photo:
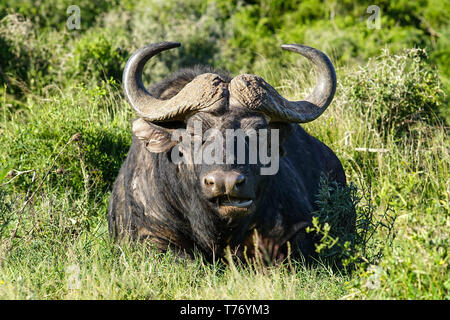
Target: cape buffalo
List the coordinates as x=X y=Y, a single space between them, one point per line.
x=205 y=207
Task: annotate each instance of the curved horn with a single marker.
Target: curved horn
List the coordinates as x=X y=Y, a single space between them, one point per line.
x=202 y=92
x=257 y=94
x=138 y=97
x=322 y=95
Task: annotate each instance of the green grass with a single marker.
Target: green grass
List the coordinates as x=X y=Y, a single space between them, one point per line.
x=89 y=266
x=55 y=245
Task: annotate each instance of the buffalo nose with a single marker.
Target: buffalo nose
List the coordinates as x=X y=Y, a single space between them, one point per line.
x=223 y=182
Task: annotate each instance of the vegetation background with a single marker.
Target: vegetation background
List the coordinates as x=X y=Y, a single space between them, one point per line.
x=65 y=130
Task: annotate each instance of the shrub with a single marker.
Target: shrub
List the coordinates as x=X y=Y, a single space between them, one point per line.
x=23 y=62
x=395 y=91
x=33 y=141
x=53 y=13
x=198 y=25
x=95 y=58
x=348 y=228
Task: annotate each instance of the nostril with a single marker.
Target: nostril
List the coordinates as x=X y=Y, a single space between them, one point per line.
x=209 y=181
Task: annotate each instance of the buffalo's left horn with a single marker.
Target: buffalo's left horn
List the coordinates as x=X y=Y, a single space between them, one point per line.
x=257 y=94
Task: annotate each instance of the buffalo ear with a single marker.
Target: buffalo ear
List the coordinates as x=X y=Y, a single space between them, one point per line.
x=156 y=139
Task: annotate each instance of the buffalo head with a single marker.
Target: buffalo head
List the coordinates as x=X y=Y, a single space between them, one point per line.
x=210 y=105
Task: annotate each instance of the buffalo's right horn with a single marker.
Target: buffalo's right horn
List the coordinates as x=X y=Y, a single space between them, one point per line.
x=202 y=92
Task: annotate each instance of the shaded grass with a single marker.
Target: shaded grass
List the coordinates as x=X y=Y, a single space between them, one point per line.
x=61 y=259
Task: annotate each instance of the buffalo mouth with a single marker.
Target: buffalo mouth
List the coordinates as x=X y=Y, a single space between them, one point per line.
x=233 y=202
x=232 y=206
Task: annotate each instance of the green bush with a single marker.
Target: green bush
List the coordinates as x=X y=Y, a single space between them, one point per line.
x=95 y=58
x=93 y=161
x=52 y=14
x=349 y=230
x=441 y=54
x=24 y=62
x=396 y=91
x=198 y=25
x=258 y=28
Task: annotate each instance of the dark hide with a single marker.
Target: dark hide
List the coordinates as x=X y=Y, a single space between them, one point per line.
x=157 y=200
